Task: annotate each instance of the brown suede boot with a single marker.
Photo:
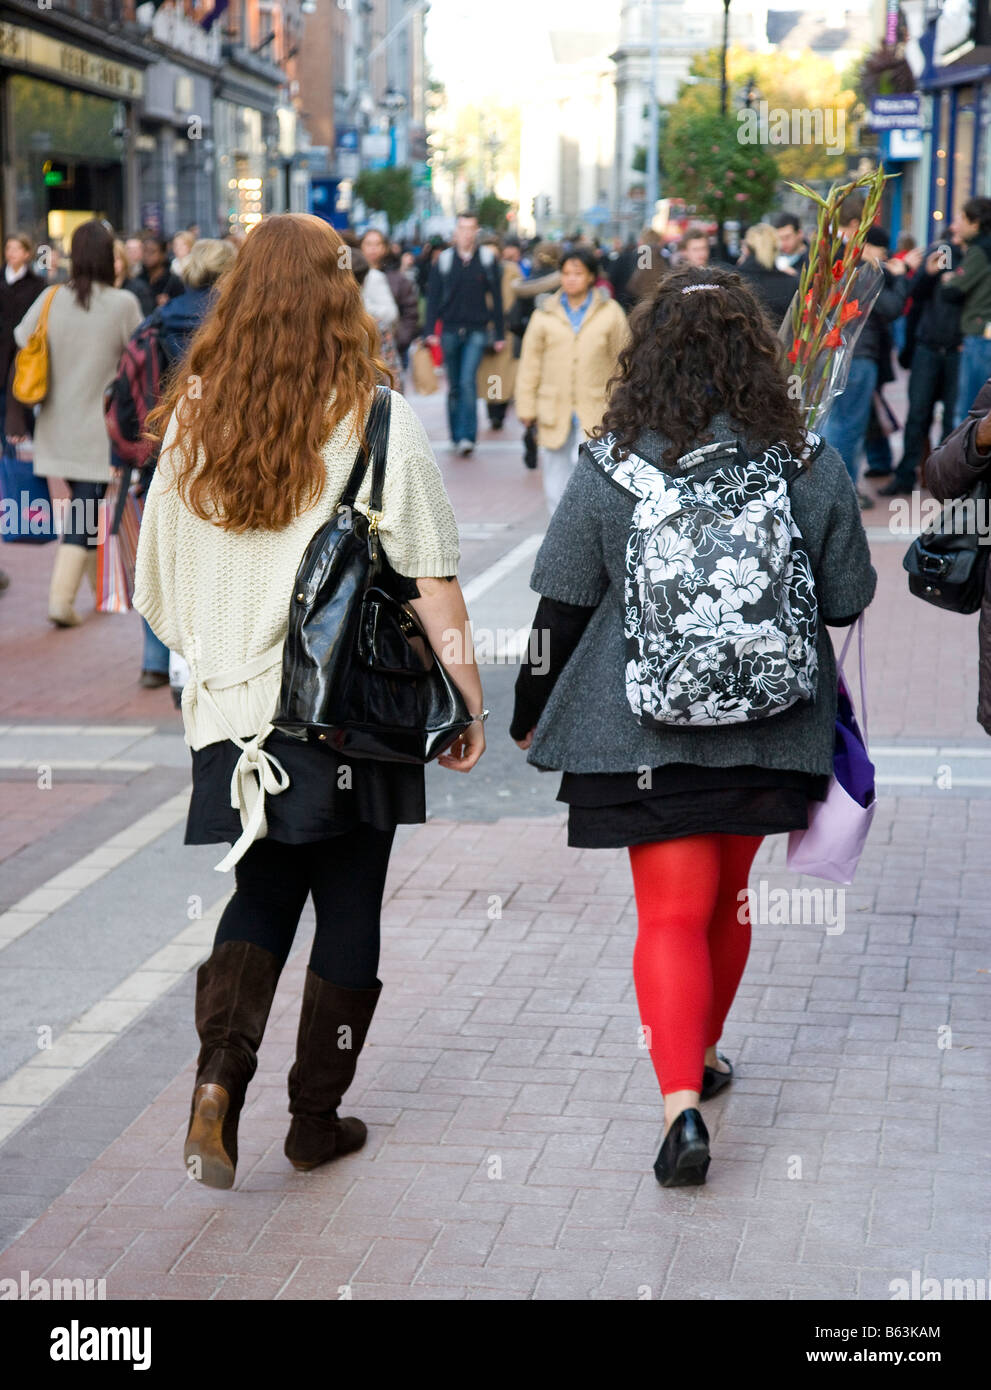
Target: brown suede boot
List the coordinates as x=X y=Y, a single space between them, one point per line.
x=333 y=1023
x=234 y=992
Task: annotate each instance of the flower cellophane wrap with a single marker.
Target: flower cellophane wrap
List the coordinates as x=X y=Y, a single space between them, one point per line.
x=830 y=338
x=837 y=289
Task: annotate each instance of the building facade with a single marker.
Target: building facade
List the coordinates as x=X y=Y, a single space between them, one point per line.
x=72 y=87
x=362 y=97
x=169 y=117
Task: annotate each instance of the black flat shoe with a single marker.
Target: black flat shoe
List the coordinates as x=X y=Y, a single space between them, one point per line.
x=683 y=1160
x=713 y=1081
x=896 y=489
x=878 y=472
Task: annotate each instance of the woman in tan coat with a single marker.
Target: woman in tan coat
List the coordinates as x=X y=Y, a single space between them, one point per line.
x=570 y=350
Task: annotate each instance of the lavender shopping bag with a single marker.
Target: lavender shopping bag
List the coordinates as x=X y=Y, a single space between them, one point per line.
x=832 y=845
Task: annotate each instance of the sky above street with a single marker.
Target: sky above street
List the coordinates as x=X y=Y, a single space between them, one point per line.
x=499 y=50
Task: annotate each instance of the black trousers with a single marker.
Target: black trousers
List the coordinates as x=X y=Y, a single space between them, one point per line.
x=346 y=876
x=933 y=378
x=82 y=515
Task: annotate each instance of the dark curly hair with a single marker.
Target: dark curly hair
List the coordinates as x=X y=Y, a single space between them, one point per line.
x=693 y=355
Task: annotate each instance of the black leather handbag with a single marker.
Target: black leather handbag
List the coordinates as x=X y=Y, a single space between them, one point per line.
x=947 y=564
x=359 y=676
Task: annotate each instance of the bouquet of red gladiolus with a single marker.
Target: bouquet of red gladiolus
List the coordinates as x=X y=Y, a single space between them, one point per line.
x=836 y=292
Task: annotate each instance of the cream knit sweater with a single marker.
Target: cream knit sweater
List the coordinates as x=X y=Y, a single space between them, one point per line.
x=221 y=600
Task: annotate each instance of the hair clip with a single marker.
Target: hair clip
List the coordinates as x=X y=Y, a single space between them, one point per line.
x=690 y=289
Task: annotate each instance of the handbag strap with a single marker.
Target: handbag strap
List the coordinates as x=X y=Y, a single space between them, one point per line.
x=123 y=482
x=41 y=326
x=376 y=446
x=857 y=627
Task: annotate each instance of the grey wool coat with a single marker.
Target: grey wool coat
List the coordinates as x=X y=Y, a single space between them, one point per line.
x=587 y=724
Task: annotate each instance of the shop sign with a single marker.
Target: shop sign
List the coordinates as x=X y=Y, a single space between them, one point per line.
x=29 y=49
x=895 y=112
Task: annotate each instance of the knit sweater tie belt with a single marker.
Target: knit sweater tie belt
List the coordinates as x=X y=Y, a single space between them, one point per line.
x=256 y=771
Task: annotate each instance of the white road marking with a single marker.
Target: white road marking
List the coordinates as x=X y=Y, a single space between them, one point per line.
x=63 y=887
x=74 y=765
x=133 y=731
x=488 y=578
x=38 y=1080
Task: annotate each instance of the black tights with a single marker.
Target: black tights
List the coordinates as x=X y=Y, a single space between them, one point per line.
x=345 y=874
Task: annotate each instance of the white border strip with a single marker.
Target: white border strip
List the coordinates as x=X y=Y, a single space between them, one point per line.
x=36 y=1081
x=61 y=888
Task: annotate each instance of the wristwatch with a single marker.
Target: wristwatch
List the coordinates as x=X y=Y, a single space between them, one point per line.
x=480 y=718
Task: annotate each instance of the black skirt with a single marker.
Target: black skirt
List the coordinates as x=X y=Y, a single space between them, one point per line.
x=615 y=810
x=327 y=794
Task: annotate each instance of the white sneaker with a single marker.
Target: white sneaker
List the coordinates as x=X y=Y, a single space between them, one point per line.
x=465 y=448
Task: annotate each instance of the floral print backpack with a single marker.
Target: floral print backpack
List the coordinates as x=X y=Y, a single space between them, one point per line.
x=721 y=614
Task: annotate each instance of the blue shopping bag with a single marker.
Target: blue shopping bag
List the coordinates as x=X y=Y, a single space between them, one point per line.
x=25 y=500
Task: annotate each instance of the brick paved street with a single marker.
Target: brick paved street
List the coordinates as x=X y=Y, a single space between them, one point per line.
x=513 y=1119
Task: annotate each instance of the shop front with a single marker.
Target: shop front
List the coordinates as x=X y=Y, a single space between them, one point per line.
x=68 y=113
x=246 y=136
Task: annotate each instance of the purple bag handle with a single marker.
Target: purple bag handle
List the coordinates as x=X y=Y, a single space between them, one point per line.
x=857 y=627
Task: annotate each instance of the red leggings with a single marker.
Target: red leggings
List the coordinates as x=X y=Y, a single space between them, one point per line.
x=693 y=939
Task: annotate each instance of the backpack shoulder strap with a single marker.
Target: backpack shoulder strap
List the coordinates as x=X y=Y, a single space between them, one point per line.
x=445 y=260
x=633 y=476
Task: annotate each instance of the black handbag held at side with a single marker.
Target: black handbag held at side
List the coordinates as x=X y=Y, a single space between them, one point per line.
x=947 y=563
x=359 y=676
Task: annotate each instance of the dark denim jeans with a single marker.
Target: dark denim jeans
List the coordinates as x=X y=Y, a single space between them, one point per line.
x=847 y=422
x=975 y=368
x=463 y=349
x=934 y=377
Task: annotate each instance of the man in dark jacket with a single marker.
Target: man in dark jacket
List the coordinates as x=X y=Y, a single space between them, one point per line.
x=465 y=294
x=155 y=284
x=846 y=426
x=951 y=472
x=935 y=362
x=970 y=287
x=375 y=249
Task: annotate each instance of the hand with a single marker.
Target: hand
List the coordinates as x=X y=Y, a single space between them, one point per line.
x=161 y=299
x=432 y=340
x=895 y=268
x=982 y=435
x=948 y=275
x=913 y=258
x=525 y=423
x=525 y=742
x=498 y=345
x=465 y=751
x=17 y=439
x=934 y=263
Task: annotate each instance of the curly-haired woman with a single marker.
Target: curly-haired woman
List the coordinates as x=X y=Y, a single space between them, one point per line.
x=690 y=799
x=264 y=418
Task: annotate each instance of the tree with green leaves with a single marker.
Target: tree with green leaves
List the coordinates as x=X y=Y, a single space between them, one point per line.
x=492 y=212
x=388 y=190
x=708 y=166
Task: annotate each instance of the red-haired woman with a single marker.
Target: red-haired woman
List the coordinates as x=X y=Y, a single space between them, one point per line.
x=264 y=419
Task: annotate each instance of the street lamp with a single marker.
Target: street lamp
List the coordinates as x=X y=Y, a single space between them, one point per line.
x=722 y=80
x=653 y=141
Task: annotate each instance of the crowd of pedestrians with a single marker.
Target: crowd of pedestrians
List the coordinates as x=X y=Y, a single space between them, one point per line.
x=267 y=418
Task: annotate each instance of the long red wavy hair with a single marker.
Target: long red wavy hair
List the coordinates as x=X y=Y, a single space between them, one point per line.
x=253 y=391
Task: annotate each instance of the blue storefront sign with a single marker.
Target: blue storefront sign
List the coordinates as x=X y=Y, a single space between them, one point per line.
x=895 y=112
